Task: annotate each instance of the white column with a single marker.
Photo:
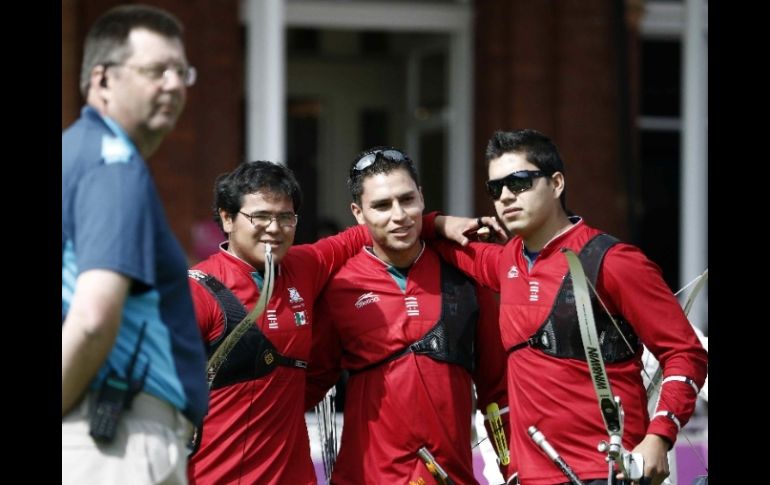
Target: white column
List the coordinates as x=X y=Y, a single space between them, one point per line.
x=265 y=79
x=459 y=178
x=694 y=177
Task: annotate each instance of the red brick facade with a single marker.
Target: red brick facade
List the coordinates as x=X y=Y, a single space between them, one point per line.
x=208 y=139
x=553 y=66
x=549 y=65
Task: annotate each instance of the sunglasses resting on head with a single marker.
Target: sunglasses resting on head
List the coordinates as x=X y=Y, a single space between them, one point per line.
x=391 y=154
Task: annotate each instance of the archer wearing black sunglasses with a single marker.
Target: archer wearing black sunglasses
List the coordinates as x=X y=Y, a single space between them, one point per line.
x=540 y=329
x=517 y=182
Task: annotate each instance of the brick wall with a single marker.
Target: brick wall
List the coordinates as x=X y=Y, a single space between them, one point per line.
x=70 y=62
x=208 y=139
x=553 y=66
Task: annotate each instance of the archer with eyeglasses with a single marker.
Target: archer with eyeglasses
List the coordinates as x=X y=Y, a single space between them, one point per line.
x=553 y=389
x=255 y=429
x=260 y=220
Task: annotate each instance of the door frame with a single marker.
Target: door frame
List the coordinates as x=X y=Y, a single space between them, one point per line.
x=266 y=22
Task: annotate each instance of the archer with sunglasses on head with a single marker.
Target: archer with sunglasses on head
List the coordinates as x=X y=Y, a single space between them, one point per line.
x=412 y=332
x=549 y=381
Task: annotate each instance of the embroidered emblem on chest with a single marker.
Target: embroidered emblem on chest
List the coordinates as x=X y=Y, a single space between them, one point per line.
x=412 y=306
x=534 y=289
x=272 y=320
x=513 y=272
x=300 y=319
x=365 y=299
x=294 y=296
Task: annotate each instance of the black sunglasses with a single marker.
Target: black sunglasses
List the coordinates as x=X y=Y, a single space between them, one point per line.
x=367 y=160
x=516 y=182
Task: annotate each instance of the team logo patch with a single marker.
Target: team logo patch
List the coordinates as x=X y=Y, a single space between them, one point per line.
x=366 y=298
x=294 y=296
x=534 y=289
x=300 y=319
x=272 y=320
x=513 y=272
x=412 y=306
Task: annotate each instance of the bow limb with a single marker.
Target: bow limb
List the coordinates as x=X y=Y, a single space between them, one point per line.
x=656 y=379
x=653 y=389
x=631 y=465
x=626 y=461
x=219 y=356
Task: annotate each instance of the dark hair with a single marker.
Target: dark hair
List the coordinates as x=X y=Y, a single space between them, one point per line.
x=382 y=164
x=536 y=148
x=107 y=41
x=250 y=178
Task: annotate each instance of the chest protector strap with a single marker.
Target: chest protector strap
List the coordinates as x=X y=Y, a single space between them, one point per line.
x=254 y=355
x=559 y=335
x=452 y=338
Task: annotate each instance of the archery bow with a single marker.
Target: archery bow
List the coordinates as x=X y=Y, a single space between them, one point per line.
x=630 y=464
x=219 y=356
x=498 y=432
x=327 y=431
x=653 y=388
x=539 y=439
x=596 y=363
x=433 y=467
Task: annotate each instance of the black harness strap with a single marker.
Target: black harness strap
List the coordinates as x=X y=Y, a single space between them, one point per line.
x=559 y=335
x=254 y=355
x=427 y=344
x=232 y=309
x=452 y=338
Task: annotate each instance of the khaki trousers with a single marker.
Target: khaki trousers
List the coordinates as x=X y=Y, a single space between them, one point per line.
x=149 y=447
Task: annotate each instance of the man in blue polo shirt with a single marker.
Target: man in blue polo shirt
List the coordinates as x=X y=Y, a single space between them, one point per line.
x=133 y=363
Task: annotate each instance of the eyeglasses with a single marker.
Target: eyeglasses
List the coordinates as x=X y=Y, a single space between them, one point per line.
x=364 y=162
x=264 y=219
x=516 y=182
x=188 y=74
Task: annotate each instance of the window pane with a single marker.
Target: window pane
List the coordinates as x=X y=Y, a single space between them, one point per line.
x=659 y=235
x=432 y=168
x=661 y=78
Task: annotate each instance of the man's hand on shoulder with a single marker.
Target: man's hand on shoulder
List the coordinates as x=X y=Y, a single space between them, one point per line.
x=464 y=229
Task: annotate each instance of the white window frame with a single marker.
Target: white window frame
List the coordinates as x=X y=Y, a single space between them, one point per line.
x=687 y=21
x=266 y=22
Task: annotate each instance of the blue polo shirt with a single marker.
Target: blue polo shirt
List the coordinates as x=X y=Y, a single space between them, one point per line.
x=112 y=219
